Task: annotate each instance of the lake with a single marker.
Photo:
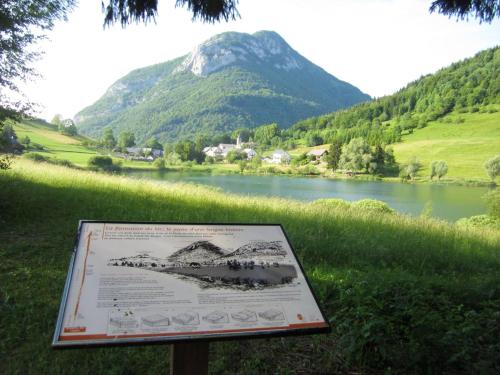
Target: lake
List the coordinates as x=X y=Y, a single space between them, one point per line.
x=448 y=202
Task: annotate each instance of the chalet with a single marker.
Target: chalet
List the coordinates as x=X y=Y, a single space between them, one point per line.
x=250 y=152
x=318 y=154
x=281 y=157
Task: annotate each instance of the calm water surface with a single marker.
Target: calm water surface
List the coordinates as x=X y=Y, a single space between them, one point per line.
x=448 y=202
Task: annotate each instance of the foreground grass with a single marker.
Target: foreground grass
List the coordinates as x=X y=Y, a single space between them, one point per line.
x=403 y=295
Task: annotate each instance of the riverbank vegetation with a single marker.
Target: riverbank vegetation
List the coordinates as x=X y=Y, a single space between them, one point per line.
x=403 y=295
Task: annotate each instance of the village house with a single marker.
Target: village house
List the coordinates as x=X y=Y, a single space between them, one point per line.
x=281 y=157
x=143 y=153
x=223 y=149
x=318 y=154
x=250 y=152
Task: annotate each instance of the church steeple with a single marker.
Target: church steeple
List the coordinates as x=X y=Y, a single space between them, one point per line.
x=238 y=141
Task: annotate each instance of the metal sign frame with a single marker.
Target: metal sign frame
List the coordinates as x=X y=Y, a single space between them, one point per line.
x=57 y=343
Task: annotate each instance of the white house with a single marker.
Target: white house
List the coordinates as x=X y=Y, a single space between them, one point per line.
x=220 y=150
x=318 y=154
x=225 y=148
x=250 y=153
x=281 y=157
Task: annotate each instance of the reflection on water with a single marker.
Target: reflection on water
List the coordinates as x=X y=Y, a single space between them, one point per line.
x=448 y=202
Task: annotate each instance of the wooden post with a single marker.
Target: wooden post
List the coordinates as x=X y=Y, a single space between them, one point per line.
x=189 y=358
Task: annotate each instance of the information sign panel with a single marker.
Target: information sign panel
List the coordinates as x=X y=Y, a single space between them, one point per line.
x=160 y=282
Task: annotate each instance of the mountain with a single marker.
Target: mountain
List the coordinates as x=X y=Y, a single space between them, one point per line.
x=232 y=80
x=468 y=86
x=199 y=252
x=257 y=249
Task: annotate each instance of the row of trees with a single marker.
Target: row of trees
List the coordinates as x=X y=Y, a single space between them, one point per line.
x=359 y=156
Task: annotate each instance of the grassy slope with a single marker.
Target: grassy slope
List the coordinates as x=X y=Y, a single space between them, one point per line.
x=64 y=147
x=58 y=145
x=413 y=295
x=465 y=146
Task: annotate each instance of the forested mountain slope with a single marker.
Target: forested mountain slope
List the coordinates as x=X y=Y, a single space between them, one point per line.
x=232 y=80
x=466 y=86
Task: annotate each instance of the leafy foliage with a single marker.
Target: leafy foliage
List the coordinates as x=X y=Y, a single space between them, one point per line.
x=22 y=24
x=126 y=11
x=484 y=10
x=438 y=168
x=492 y=167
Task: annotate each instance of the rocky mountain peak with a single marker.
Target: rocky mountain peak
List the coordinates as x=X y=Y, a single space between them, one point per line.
x=231 y=48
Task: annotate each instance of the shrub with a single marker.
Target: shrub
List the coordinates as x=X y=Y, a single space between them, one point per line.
x=104 y=163
x=480 y=221
x=5 y=162
x=438 y=168
x=159 y=163
x=36 y=157
x=372 y=205
x=492 y=167
x=308 y=170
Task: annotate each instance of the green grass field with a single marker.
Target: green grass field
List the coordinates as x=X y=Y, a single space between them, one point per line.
x=64 y=147
x=57 y=145
x=464 y=146
x=403 y=295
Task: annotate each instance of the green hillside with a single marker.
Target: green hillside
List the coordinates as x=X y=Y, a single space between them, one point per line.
x=465 y=141
x=47 y=141
x=466 y=87
x=54 y=144
x=232 y=80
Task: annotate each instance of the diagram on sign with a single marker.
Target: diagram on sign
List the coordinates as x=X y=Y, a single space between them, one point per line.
x=216 y=317
x=186 y=318
x=156 y=320
x=255 y=265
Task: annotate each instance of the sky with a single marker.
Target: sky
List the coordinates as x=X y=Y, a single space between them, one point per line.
x=377 y=45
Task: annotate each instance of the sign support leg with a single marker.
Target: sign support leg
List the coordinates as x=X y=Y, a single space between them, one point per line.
x=189 y=358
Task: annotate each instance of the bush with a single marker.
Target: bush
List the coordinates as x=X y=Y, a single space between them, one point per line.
x=492 y=167
x=159 y=163
x=308 y=170
x=480 y=221
x=372 y=205
x=104 y=163
x=5 y=162
x=36 y=157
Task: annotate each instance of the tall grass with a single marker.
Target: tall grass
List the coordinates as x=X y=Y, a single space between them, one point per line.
x=403 y=294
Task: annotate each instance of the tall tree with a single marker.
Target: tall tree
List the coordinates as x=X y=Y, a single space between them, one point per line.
x=128 y=11
x=356 y=155
x=211 y=11
x=483 y=10
x=108 y=139
x=334 y=153
x=22 y=25
x=126 y=139
x=153 y=143
x=492 y=167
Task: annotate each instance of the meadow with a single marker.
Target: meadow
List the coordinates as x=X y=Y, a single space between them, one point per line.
x=403 y=295
x=464 y=140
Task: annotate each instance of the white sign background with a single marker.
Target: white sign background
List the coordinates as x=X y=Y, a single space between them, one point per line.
x=137 y=282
